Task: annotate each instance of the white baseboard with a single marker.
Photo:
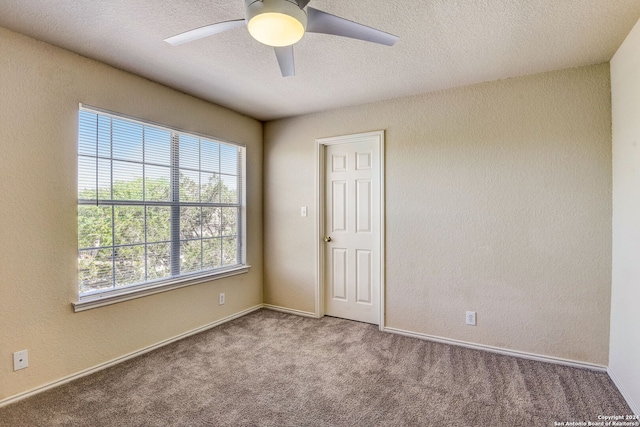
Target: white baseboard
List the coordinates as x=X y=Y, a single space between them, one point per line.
x=290 y=311
x=633 y=405
x=515 y=353
x=117 y=360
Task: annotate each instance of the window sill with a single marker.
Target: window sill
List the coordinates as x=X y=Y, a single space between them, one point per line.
x=99 y=300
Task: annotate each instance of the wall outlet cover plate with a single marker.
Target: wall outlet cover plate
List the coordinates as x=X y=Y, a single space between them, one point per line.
x=20 y=360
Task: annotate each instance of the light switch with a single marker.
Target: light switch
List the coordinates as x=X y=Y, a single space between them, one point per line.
x=303 y=211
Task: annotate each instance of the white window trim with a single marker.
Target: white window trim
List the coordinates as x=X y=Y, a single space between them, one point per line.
x=95 y=300
x=126 y=294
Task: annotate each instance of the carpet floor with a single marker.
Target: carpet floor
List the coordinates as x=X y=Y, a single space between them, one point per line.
x=275 y=369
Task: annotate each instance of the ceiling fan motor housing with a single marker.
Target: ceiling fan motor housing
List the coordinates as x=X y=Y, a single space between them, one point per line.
x=275 y=22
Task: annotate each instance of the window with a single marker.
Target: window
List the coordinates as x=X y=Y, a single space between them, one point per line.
x=156 y=206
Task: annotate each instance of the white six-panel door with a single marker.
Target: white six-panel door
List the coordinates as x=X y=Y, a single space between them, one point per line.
x=352 y=228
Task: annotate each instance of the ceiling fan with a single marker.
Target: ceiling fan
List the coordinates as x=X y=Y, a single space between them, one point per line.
x=282 y=23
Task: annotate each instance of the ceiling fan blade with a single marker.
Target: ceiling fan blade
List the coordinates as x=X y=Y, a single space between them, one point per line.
x=207 y=30
x=285 y=60
x=325 y=23
x=302 y=3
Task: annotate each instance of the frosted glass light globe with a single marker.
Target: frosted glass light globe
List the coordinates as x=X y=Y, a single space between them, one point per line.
x=276 y=29
x=275 y=22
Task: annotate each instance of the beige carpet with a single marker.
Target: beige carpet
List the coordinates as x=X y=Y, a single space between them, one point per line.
x=274 y=369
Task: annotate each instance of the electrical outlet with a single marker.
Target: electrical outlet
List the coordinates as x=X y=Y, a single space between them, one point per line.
x=20 y=360
x=471 y=318
x=221 y=299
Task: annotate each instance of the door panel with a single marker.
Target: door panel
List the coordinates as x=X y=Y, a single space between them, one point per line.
x=363 y=276
x=363 y=206
x=339 y=214
x=339 y=277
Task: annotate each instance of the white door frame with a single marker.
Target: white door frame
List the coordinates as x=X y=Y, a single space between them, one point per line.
x=320 y=232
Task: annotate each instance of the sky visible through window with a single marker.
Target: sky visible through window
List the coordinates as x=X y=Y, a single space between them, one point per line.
x=131 y=143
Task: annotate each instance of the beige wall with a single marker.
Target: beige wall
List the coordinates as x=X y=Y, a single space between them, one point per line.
x=624 y=356
x=40 y=88
x=498 y=200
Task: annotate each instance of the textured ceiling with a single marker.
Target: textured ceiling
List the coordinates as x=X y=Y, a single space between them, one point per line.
x=443 y=44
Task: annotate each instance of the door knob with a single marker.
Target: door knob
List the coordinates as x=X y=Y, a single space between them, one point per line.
x=327 y=239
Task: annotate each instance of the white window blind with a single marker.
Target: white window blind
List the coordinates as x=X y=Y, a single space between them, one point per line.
x=154 y=204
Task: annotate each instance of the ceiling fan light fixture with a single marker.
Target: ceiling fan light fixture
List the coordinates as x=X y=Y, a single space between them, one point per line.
x=275 y=23
x=276 y=29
